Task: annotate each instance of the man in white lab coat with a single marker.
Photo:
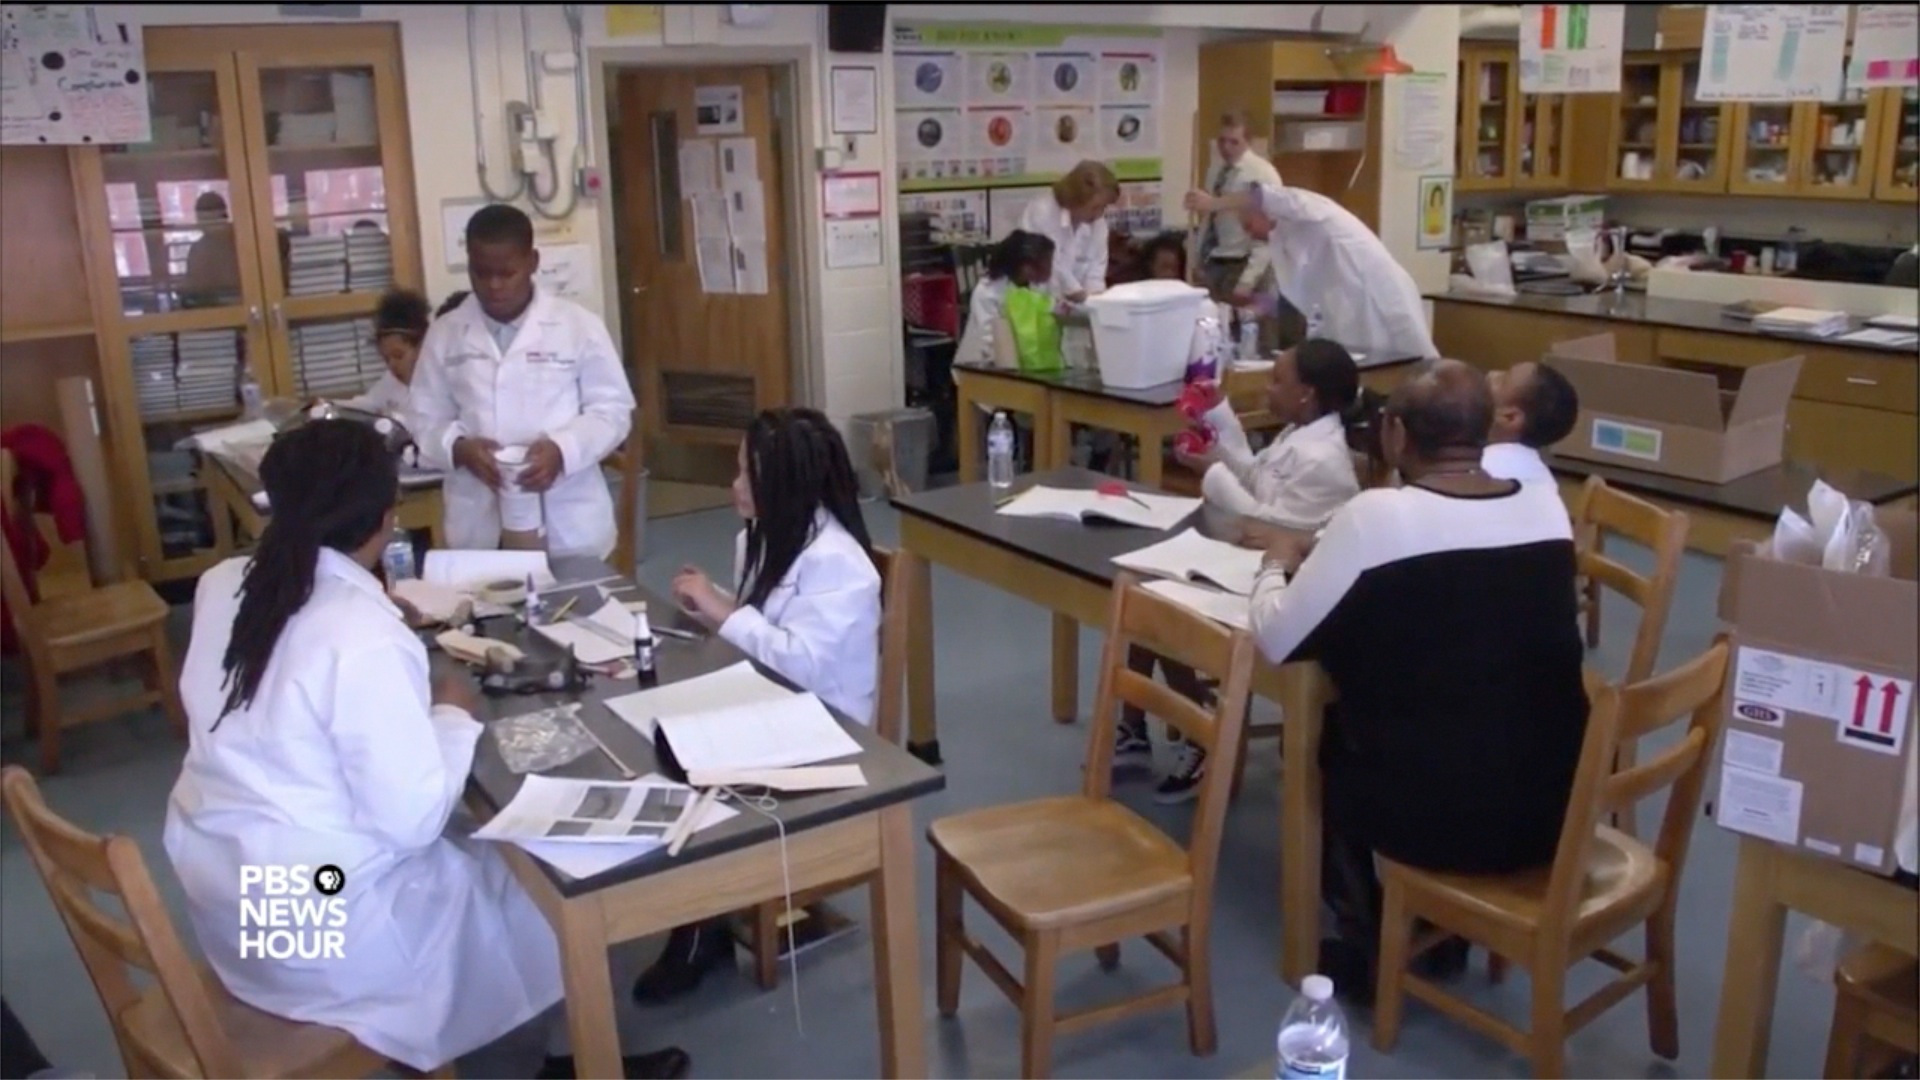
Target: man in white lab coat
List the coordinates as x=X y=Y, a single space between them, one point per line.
x=517 y=367
x=1326 y=262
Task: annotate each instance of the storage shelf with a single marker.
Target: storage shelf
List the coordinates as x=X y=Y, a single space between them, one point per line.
x=54 y=332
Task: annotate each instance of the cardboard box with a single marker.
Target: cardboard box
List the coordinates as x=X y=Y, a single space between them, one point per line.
x=1673 y=421
x=1551 y=219
x=1818 y=750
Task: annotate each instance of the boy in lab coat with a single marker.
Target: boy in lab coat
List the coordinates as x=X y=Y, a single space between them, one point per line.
x=517 y=368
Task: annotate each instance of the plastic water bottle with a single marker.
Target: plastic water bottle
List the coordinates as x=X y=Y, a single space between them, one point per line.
x=1314 y=322
x=1000 y=451
x=1313 y=1034
x=397 y=557
x=252 y=401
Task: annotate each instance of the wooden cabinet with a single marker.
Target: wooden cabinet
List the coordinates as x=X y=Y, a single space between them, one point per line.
x=1508 y=139
x=1839 y=149
x=1768 y=155
x=1661 y=139
x=251 y=238
x=1633 y=140
x=1899 y=150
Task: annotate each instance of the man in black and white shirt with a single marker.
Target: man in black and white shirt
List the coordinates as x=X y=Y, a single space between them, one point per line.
x=1444 y=613
x=1534 y=407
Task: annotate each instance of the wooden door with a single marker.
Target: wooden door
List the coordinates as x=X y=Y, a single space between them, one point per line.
x=708 y=348
x=1899 y=153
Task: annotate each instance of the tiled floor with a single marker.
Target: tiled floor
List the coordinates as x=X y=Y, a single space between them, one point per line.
x=1000 y=746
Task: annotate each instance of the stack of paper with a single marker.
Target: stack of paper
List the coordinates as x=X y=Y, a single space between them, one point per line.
x=473 y=570
x=795 y=730
x=369 y=259
x=1892 y=339
x=1799 y=320
x=209 y=370
x=1192 y=557
x=739 y=685
x=316 y=265
x=1136 y=508
x=602 y=637
x=153 y=383
x=1895 y=322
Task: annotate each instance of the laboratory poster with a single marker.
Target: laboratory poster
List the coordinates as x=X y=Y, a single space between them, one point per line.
x=1571 y=48
x=719 y=110
x=1773 y=52
x=985 y=105
x=1436 y=213
x=1886 y=46
x=72 y=73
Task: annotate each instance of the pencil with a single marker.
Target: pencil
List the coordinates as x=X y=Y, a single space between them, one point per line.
x=689 y=824
x=625 y=771
x=560 y=615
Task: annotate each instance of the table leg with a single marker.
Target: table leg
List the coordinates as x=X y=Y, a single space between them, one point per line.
x=1056 y=443
x=1755 y=930
x=896 y=950
x=966 y=425
x=923 y=733
x=1066 y=669
x=1303 y=702
x=1148 y=444
x=590 y=1019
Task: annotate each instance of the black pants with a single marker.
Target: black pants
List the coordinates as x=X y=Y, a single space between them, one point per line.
x=1350 y=887
x=19 y=1057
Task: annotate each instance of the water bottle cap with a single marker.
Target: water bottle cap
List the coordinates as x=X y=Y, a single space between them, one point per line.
x=1317 y=987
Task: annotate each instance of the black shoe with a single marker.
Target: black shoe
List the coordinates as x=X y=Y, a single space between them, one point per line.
x=1183 y=783
x=1351 y=969
x=1444 y=962
x=691 y=952
x=668 y=1064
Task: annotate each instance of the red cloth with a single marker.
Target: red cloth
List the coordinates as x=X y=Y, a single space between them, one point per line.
x=44 y=484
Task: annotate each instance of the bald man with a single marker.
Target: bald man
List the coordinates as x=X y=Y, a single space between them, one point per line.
x=1444 y=613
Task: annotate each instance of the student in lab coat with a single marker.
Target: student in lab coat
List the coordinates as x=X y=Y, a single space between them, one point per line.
x=516 y=366
x=316 y=741
x=399 y=325
x=1326 y=260
x=807 y=606
x=1022 y=260
x=1073 y=216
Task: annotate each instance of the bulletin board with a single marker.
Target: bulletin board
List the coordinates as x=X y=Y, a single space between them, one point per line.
x=1001 y=105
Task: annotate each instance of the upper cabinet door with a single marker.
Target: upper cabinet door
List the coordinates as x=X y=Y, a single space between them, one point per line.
x=1545 y=141
x=1489 y=119
x=327 y=125
x=1696 y=144
x=1899 y=151
x=1634 y=159
x=1767 y=157
x=1838 y=150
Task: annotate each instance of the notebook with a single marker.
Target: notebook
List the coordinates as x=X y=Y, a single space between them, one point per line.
x=1192 y=557
x=1137 y=508
x=1219 y=606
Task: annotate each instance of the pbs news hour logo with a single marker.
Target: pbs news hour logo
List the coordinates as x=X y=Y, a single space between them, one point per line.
x=293 y=912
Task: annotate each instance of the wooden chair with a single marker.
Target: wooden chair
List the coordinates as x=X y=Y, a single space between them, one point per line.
x=1081 y=872
x=184 y=1024
x=1876 y=1012
x=1601 y=883
x=80 y=631
x=889 y=704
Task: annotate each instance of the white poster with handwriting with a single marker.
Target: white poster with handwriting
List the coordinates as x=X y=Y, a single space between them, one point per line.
x=1773 y=52
x=72 y=73
x=1571 y=48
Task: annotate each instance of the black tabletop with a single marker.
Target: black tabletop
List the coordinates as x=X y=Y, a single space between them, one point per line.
x=1646 y=310
x=1088 y=383
x=893 y=776
x=1760 y=495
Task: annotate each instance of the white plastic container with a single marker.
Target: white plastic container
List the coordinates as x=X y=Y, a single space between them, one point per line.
x=520 y=510
x=1143 y=331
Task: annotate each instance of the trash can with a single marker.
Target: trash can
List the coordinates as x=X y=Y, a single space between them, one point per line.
x=897 y=439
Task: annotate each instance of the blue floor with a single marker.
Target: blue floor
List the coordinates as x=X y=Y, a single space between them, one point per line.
x=1000 y=746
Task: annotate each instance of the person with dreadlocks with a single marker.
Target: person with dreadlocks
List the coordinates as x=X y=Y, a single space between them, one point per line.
x=807 y=606
x=317 y=740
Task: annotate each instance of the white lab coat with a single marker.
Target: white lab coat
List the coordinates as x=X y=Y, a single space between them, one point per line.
x=984 y=308
x=1079 y=251
x=1325 y=258
x=387 y=396
x=561 y=379
x=1297 y=482
x=342 y=760
x=1513 y=461
x=820 y=627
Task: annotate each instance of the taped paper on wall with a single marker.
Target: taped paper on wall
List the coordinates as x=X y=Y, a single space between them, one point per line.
x=698 y=171
x=709 y=216
x=715 y=257
x=569 y=270
x=739 y=163
x=1754 y=753
x=1763 y=806
x=747 y=213
x=719 y=110
x=77 y=73
x=750 y=267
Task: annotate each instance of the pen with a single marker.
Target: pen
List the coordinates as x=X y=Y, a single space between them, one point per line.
x=683 y=635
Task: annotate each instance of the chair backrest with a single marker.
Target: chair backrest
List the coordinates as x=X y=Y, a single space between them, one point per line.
x=1601 y=509
x=889 y=701
x=1618 y=716
x=75 y=864
x=1166 y=629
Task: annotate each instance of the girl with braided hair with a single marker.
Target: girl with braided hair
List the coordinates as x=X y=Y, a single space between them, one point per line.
x=319 y=749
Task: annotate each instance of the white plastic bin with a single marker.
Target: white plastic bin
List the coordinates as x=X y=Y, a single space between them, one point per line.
x=1143 y=331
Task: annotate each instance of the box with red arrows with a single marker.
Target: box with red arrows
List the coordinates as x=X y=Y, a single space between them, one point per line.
x=1818 y=751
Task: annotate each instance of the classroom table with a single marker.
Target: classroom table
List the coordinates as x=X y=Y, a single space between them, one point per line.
x=231 y=488
x=829 y=837
x=1068 y=569
x=1769 y=880
x=1743 y=509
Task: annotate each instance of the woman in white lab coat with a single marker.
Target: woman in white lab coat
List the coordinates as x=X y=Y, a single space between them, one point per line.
x=516 y=366
x=1073 y=216
x=316 y=741
x=807 y=606
x=1327 y=261
x=399 y=325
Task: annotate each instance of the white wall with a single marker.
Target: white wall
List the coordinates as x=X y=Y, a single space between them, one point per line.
x=1426 y=36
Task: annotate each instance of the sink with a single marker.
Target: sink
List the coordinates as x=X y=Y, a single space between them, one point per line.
x=1551 y=287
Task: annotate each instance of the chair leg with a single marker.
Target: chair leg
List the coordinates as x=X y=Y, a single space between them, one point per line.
x=1108 y=956
x=766 y=944
x=46 y=718
x=167 y=680
x=1663 y=1017
x=1036 y=1006
x=1390 y=987
x=1843 y=1040
x=1547 y=1035
x=949 y=929
x=1203 y=1034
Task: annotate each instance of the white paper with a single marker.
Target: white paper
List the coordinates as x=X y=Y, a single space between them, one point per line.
x=1426 y=120
x=710 y=217
x=854 y=100
x=1894 y=322
x=228 y=438
x=750 y=266
x=715 y=257
x=1137 y=508
x=747 y=213
x=854 y=243
x=591 y=646
x=585 y=860
x=1571 y=48
x=569 y=811
x=72 y=73
x=1221 y=607
x=699 y=170
x=1773 y=52
x=795 y=730
x=719 y=110
x=1873 y=335
x=569 y=270
x=473 y=569
x=1790 y=683
x=1763 y=806
x=1754 y=753
x=436 y=602
x=1886 y=46
x=454 y=215
x=850 y=195
x=803 y=778
x=727 y=688
x=739 y=163
x=1192 y=557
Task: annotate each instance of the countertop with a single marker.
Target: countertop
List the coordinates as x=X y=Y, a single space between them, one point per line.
x=1652 y=311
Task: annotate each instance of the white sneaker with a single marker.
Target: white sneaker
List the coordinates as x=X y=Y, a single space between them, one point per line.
x=1183 y=783
x=1131 y=748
